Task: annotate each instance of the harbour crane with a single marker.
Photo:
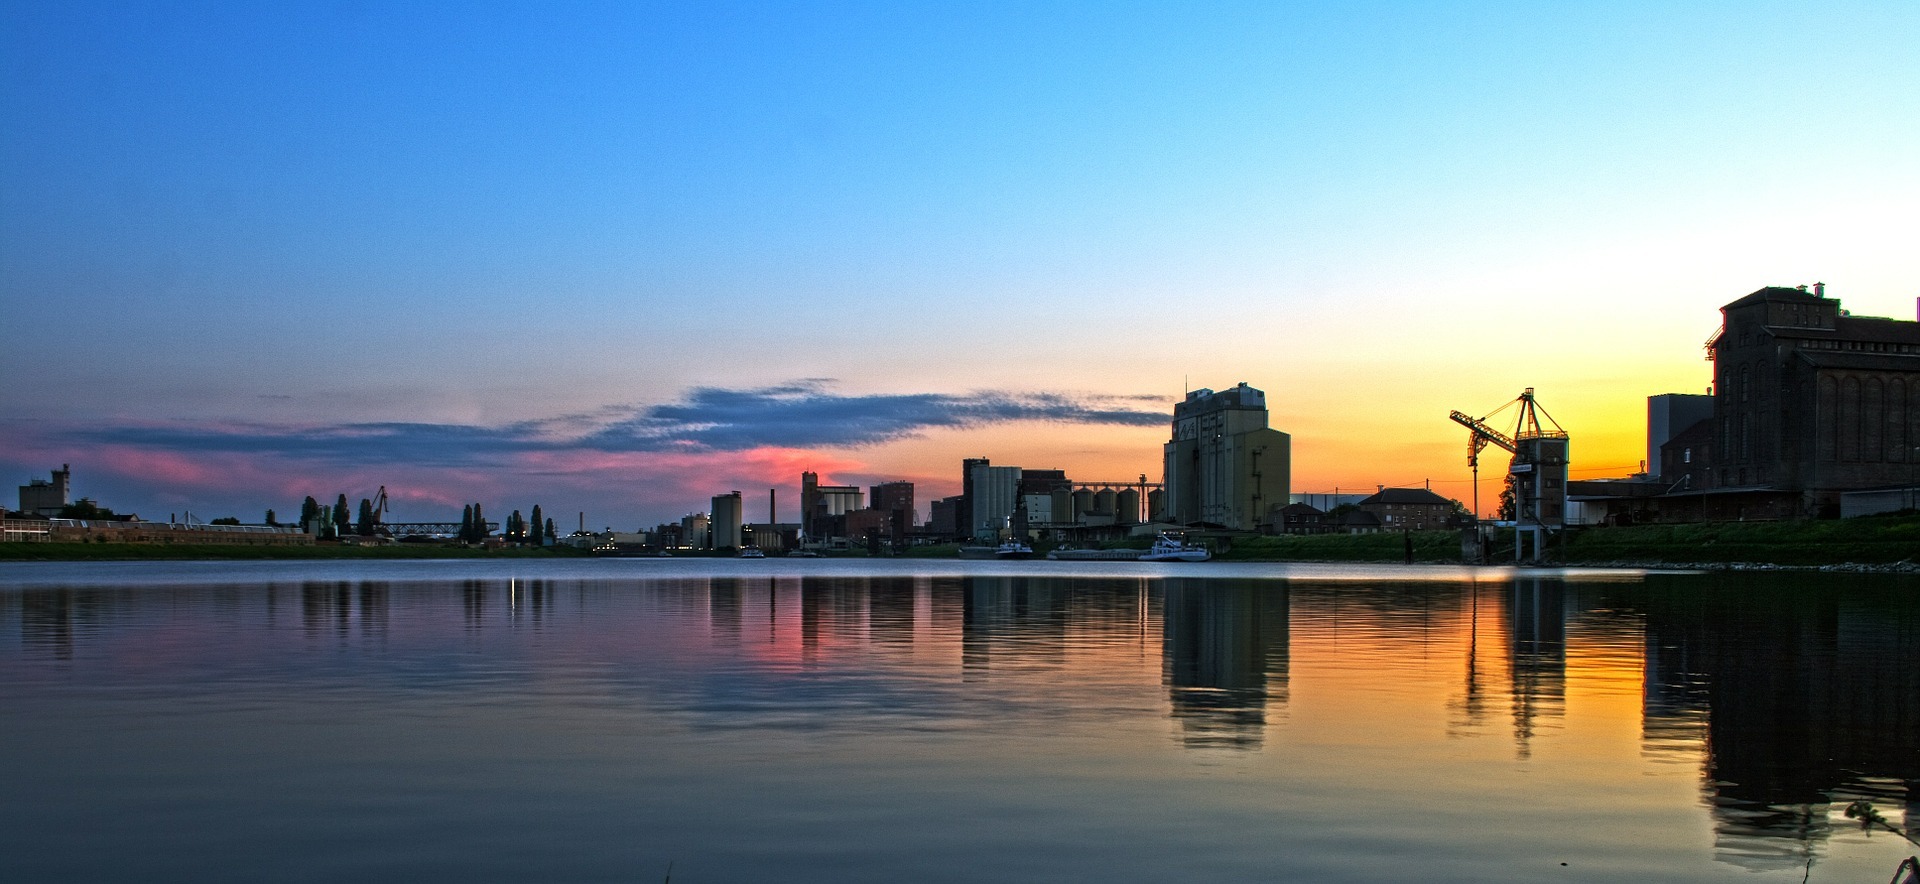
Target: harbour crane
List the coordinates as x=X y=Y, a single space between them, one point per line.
x=1538 y=469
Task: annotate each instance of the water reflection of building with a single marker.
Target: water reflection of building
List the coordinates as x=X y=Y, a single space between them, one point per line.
x=1226 y=654
x=338 y=606
x=1809 y=696
x=1537 y=614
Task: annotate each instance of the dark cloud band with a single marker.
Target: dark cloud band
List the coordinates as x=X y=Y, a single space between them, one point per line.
x=803 y=414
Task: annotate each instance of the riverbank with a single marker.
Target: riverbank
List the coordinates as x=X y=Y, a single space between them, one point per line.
x=1876 y=543
x=1889 y=543
x=111 y=552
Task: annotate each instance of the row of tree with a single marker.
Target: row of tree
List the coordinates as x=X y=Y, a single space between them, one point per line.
x=518 y=529
x=337 y=522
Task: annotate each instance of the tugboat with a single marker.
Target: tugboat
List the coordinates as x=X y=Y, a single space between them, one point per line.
x=1168 y=548
x=752 y=552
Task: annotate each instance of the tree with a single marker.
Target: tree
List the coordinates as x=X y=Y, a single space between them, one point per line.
x=309 y=511
x=480 y=531
x=550 y=537
x=342 y=518
x=86 y=509
x=466 y=524
x=226 y=520
x=1508 y=506
x=538 y=527
x=364 y=525
x=271 y=521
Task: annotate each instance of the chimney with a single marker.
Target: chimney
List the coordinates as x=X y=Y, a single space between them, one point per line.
x=1379 y=489
x=1819 y=289
x=773 y=506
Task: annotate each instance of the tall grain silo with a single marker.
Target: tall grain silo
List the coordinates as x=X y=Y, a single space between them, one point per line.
x=1082 y=504
x=1127 y=507
x=1103 y=502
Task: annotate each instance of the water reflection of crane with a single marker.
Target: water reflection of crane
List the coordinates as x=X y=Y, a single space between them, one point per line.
x=1538 y=470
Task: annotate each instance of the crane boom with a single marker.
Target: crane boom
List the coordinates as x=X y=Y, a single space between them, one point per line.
x=1482 y=431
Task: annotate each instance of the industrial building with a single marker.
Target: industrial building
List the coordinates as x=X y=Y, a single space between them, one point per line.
x=1812 y=400
x=1224 y=467
x=40 y=497
x=1813 y=413
x=726 y=521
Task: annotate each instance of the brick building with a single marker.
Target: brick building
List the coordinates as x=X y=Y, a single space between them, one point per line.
x=1810 y=399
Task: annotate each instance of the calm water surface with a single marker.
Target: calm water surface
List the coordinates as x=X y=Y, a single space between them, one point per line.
x=814 y=720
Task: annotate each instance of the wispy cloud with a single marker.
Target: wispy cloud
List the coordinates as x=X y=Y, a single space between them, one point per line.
x=801 y=414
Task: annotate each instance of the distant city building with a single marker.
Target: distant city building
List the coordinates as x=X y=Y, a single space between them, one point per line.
x=1298 y=518
x=1810 y=399
x=1409 y=509
x=993 y=494
x=695 y=531
x=1668 y=415
x=726 y=523
x=40 y=497
x=943 y=516
x=1224 y=466
x=822 y=505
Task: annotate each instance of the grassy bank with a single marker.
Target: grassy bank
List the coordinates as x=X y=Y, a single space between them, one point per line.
x=1874 y=540
x=1866 y=541
x=83 y=552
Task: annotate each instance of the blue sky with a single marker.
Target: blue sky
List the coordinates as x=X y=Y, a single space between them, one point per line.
x=259 y=220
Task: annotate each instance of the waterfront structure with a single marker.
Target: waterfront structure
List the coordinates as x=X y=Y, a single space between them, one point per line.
x=943 y=517
x=821 y=505
x=1224 y=466
x=1668 y=416
x=40 y=497
x=726 y=521
x=1409 y=509
x=1813 y=400
x=695 y=531
x=993 y=493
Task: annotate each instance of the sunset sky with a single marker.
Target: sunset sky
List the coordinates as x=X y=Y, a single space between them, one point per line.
x=620 y=257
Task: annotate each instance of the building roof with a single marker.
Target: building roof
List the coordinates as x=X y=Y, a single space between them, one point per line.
x=1359 y=519
x=1777 y=293
x=1302 y=509
x=1406 y=496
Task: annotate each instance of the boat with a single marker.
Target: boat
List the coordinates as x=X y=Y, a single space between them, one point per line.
x=1168 y=548
x=1013 y=549
x=752 y=552
x=1095 y=555
x=804 y=554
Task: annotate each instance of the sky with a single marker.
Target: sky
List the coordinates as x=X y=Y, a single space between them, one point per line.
x=617 y=258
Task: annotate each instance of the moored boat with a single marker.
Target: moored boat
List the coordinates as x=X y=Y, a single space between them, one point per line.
x=1167 y=548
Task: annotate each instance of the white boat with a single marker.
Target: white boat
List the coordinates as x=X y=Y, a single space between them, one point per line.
x=752 y=552
x=1013 y=549
x=1167 y=548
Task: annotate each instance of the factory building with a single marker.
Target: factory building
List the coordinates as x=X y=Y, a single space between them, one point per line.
x=822 y=507
x=1811 y=399
x=40 y=497
x=726 y=524
x=992 y=495
x=1224 y=466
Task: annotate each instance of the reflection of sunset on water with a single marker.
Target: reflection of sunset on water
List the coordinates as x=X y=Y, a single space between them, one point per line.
x=1528 y=714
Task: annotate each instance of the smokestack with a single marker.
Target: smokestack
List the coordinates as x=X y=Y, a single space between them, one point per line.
x=1819 y=289
x=773 y=506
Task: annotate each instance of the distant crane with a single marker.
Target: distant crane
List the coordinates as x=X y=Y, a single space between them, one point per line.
x=1538 y=468
x=380 y=512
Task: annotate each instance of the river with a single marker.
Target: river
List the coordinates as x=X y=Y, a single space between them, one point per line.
x=853 y=721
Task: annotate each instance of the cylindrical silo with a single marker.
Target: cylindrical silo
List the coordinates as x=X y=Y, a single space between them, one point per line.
x=1103 y=502
x=1127 y=507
